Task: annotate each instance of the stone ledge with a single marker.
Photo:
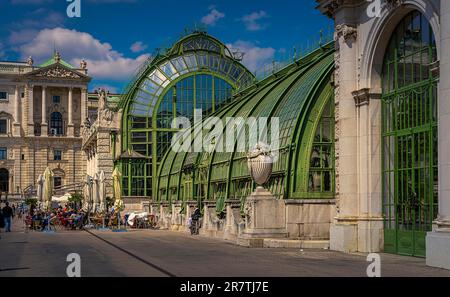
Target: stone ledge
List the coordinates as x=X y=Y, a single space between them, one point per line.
x=296 y=244
x=275 y=243
x=310 y=201
x=250 y=242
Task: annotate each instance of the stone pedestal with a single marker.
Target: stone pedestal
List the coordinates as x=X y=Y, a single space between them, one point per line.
x=176 y=223
x=165 y=216
x=234 y=224
x=265 y=218
x=44 y=130
x=357 y=234
x=17 y=129
x=30 y=131
x=438 y=246
x=212 y=225
x=70 y=130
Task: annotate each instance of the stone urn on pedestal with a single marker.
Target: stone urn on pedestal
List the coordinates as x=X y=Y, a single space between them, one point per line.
x=264 y=214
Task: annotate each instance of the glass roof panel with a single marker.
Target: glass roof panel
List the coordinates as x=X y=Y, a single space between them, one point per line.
x=149 y=86
x=225 y=66
x=179 y=64
x=191 y=61
x=202 y=60
x=168 y=69
x=201 y=43
x=157 y=77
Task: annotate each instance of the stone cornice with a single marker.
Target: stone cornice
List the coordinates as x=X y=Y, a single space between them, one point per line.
x=330 y=7
x=57 y=72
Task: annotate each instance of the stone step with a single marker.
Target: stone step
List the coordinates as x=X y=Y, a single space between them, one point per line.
x=296 y=244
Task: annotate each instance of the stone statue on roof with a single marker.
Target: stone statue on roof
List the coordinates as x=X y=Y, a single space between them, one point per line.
x=102 y=97
x=57 y=57
x=83 y=64
x=30 y=61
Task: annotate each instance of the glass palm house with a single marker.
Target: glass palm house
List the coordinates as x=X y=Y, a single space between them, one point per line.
x=302 y=96
x=200 y=72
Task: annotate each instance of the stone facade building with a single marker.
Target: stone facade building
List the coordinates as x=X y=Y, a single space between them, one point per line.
x=43 y=110
x=388 y=200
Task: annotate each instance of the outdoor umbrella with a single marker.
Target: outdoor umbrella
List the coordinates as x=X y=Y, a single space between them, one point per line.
x=118 y=202
x=48 y=188
x=40 y=188
x=87 y=194
x=96 y=199
x=102 y=191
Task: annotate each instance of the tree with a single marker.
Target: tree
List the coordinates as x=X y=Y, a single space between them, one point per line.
x=76 y=200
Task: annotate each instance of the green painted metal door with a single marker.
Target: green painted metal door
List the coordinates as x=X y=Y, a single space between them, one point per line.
x=409 y=119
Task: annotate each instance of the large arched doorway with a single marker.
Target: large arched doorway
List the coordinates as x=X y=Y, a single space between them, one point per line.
x=4 y=181
x=409 y=132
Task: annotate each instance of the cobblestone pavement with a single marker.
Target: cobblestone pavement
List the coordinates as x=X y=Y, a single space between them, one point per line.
x=165 y=253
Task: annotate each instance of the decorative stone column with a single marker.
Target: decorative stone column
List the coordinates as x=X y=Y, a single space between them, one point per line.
x=344 y=229
x=16 y=124
x=370 y=219
x=83 y=107
x=30 y=120
x=44 y=123
x=438 y=241
x=70 y=126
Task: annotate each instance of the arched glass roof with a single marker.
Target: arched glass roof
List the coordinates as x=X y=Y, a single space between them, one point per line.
x=198 y=52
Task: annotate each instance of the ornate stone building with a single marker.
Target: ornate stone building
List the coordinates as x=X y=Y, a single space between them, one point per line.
x=43 y=110
x=392 y=114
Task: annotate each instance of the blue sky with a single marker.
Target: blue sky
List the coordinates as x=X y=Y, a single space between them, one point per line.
x=116 y=36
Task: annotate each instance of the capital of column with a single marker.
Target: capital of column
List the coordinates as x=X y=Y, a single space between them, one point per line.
x=363 y=96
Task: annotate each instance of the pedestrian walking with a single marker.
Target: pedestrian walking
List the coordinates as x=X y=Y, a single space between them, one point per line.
x=2 y=221
x=7 y=217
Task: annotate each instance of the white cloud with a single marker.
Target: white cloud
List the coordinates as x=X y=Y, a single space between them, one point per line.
x=251 y=21
x=103 y=61
x=138 y=47
x=255 y=57
x=212 y=17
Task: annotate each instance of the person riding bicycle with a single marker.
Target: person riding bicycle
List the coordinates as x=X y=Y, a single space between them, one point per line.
x=195 y=221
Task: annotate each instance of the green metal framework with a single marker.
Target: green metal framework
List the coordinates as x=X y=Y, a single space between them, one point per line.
x=409 y=124
x=198 y=72
x=302 y=97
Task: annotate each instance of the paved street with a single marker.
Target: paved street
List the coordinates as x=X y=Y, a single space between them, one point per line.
x=164 y=253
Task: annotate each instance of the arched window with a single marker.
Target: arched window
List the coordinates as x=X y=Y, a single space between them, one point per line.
x=4 y=181
x=56 y=124
x=409 y=135
x=321 y=174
